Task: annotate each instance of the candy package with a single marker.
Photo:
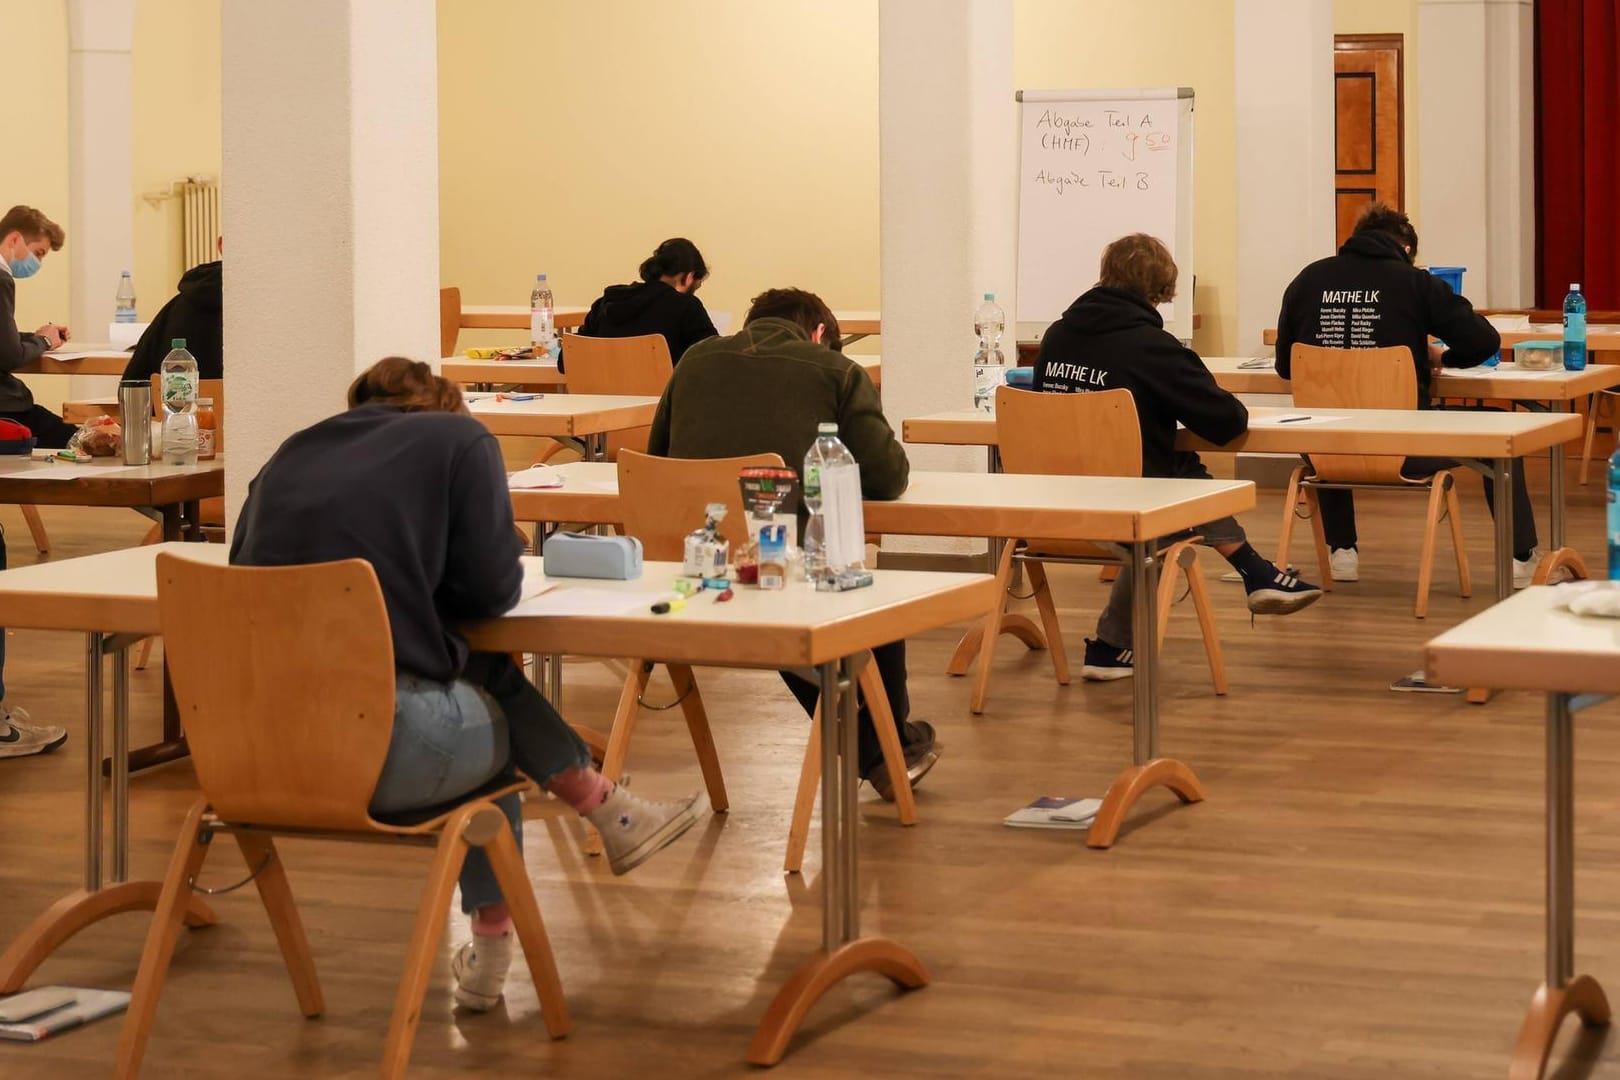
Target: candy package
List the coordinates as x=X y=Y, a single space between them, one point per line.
x=770 y=496
x=100 y=436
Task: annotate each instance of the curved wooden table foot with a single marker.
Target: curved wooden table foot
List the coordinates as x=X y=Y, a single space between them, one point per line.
x=818 y=975
x=1130 y=786
x=1021 y=627
x=75 y=911
x=1583 y=997
x=1566 y=558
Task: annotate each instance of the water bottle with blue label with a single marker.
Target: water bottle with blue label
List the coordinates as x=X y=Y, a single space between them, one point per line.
x=1574 y=329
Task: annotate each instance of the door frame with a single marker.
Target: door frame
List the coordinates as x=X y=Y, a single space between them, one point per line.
x=1367 y=42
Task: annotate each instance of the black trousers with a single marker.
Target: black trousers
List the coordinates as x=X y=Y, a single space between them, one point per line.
x=51 y=432
x=1339 y=506
x=891 y=664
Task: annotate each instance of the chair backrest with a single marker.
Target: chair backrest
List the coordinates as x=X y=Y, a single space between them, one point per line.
x=213 y=390
x=284 y=678
x=449 y=320
x=663 y=498
x=1090 y=434
x=627 y=365
x=1354 y=379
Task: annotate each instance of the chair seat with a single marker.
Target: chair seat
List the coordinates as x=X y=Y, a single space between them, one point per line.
x=429 y=818
x=1068 y=549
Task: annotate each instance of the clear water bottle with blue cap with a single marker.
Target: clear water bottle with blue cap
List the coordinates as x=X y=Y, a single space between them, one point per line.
x=1574 y=329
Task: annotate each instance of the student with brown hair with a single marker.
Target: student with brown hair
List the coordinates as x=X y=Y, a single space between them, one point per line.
x=766 y=389
x=27 y=236
x=407 y=481
x=1113 y=337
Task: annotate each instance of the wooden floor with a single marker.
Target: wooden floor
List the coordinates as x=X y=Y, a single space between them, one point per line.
x=1361 y=896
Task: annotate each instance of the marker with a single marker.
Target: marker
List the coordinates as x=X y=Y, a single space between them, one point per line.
x=517 y=397
x=1292 y=419
x=723 y=595
x=664 y=607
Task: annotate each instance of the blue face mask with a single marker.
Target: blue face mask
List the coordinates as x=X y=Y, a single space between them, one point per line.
x=25 y=267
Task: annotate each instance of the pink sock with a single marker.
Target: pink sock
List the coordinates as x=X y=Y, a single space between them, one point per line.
x=584 y=789
x=492 y=921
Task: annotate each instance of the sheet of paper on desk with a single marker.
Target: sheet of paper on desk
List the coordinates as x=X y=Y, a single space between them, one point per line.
x=1503 y=371
x=584 y=600
x=64 y=470
x=1291 y=420
x=72 y=355
x=535 y=478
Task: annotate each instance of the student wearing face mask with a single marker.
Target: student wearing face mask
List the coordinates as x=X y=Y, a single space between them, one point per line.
x=26 y=237
x=663 y=302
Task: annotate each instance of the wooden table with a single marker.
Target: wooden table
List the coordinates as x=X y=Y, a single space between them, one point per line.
x=543 y=375
x=516 y=317
x=1504 y=382
x=854 y=325
x=1485 y=441
x=585 y=417
x=80 y=359
x=826 y=635
x=1600 y=338
x=1128 y=514
x=1529 y=643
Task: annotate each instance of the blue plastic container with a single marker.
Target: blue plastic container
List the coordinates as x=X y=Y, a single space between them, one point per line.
x=1451 y=275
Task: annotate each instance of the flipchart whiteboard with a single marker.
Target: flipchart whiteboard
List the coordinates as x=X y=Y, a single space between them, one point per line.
x=1095 y=165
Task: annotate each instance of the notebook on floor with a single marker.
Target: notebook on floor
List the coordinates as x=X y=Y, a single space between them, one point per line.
x=1055 y=812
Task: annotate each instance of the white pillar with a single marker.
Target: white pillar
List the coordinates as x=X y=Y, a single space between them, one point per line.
x=331 y=207
x=1476 y=176
x=1283 y=63
x=100 y=212
x=948 y=145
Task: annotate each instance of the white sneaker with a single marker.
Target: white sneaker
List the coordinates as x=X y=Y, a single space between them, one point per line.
x=1524 y=571
x=480 y=968
x=19 y=738
x=1344 y=564
x=633 y=829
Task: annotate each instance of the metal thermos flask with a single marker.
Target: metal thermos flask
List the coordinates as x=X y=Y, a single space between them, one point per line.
x=135 y=416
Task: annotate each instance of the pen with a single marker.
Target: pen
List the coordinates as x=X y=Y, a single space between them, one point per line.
x=517 y=397
x=664 y=607
x=1292 y=419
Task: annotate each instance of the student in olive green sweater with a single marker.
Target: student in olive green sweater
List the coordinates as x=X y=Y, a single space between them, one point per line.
x=765 y=389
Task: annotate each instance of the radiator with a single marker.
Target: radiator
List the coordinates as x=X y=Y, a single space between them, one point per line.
x=200 y=200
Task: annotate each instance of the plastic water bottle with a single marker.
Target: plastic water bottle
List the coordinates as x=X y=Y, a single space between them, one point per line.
x=1574 y=329
x=835 y=536
x=124 y=301
x=542 y=318
x=178 y=377
x=1614 y=516
x=988 y=323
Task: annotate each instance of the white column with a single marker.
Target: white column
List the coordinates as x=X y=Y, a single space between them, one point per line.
x=330 y=205
x=1476 y=176
x=1283 y=63
x=100 y=212
x=948 y=173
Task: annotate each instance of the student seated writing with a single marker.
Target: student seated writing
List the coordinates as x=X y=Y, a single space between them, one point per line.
x=1113 y=337
x=444 y=548
x=663 y=302
x=26 y=237
x=1373 y=288
x=766 y=388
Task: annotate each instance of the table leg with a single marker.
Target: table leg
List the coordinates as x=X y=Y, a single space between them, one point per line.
x=171 y=522
x=191 y=514
x=843 y=951
x=1559 y=557
x=1149 y=770
x=1502 y=481
x=1563 y=992
x=120 y=764
x=89 y=905
x=172 y=747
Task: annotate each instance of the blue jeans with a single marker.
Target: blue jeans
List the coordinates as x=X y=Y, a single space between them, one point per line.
x=453 y=738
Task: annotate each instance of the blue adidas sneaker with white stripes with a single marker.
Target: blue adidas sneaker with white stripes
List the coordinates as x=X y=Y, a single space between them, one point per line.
x=1105 y=663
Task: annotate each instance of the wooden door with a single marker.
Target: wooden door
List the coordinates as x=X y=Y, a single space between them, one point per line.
x=1370 y=124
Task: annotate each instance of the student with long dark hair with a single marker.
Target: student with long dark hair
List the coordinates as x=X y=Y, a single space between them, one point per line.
x=663 y=302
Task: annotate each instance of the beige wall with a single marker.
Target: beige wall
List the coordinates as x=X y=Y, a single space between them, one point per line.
x=33 y=116
x=574 y=137
x=1391 y=17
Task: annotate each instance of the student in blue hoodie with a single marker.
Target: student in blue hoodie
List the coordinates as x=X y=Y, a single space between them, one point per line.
x=1113 y=337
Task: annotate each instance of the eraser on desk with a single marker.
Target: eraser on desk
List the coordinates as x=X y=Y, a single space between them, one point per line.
x=613 y=558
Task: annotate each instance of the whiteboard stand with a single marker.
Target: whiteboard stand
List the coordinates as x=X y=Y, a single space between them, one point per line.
x=1095 y=165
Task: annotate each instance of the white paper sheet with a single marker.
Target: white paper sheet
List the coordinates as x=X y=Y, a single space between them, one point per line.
x=1291 y=420
x=584 y=600
x=76 y=355
x=535 y=478
x=62 y=470
x=1502 y=371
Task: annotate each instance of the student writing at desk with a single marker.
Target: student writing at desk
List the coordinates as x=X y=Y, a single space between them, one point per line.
x=664 y=301
x=1113 y=337
x=765 y=389
x=1371 y=295
x=444 y=548
x=26 y=238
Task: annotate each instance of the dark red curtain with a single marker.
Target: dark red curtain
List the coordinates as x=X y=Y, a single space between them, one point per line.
x=1578 y=150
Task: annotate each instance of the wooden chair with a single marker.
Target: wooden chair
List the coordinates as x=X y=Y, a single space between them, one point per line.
x=663 y=501
x=1094 y=434
x=631 y=365
x=1593 y=411
x=271 y=760
x=1366 y=379
x=211 y=512
x=449 y=320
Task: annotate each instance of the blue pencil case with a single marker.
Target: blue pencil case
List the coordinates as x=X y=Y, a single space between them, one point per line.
x=611 y=558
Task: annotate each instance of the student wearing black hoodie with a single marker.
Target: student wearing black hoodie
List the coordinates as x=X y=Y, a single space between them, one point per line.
x=1113 y=337
x=194 y=314
x=1370 y=295
x=663 y=302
